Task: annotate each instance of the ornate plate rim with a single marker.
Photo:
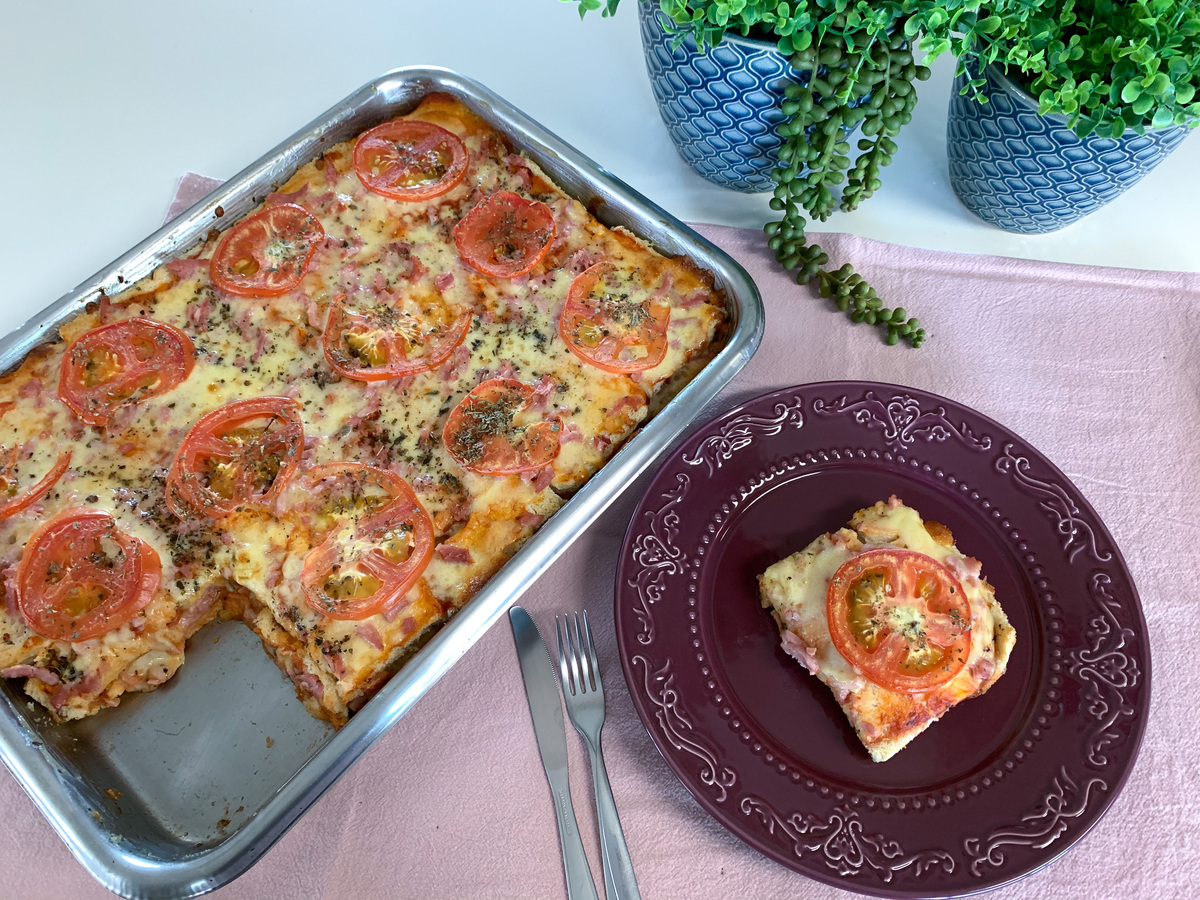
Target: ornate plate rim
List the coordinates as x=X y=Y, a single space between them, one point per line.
x=1097 y=665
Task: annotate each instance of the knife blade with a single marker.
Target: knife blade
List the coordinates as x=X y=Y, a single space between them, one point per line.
x=545 y=706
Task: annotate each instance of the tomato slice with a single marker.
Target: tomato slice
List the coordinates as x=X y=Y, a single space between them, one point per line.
x=367 y=564
x=380 y=341
x=493 y=431
x=121 y=364
x=243 y=453
x=12 y=498
x=605 y=325
x=80 y=576
x=410 y=160
x=505 y=235
x=901 y=618
x=267 y=254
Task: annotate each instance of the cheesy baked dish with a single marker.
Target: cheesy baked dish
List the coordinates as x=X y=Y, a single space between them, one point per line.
x=890 y=615
x=334 y=421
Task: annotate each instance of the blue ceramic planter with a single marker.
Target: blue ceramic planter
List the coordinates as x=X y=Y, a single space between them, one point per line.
x=721 y=107
x=1031 y=174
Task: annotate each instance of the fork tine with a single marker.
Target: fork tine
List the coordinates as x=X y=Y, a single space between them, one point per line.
x=578 y=685
x=593 y=659
x=585 y=673
x=577 y=655
x=562 y=655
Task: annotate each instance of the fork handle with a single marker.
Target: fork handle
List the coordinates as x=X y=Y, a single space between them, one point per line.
x=619 y=881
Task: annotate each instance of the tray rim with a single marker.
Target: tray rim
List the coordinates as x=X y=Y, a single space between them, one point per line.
x=47 y=782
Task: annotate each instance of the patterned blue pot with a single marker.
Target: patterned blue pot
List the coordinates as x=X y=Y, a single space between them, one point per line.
x=1031 y=174
x=721 y=107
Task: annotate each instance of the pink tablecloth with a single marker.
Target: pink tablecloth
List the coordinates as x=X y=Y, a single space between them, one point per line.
x=1098 y=368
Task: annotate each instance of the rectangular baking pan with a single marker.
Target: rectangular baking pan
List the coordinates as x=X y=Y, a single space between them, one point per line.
x=179 y=791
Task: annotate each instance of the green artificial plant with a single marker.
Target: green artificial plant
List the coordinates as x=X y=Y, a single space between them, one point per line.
x=862 y=74
x=1106 y=65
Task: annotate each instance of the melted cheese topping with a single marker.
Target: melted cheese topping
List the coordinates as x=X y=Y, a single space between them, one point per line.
x=376 y=251
x=796 y=589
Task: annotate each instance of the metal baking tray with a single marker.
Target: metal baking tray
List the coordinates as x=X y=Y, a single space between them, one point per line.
x=177 y=792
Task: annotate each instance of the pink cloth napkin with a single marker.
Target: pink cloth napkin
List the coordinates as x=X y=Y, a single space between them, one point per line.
x=1098 y=368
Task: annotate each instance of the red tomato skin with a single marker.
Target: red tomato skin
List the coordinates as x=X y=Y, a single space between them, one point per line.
x=398 y=365
x=75 y=532
x=171 y=363
x=36 y=492
x=396 y=579
x=188 y=496
x=881 y=667
x=252 y=237
x=419 y=137
x=580 y=309
x=505 y=220
x=465 y=433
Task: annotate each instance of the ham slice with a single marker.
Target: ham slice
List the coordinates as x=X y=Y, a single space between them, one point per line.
x=65 y=692
x=197 y=313
x=183 y=269
x=581 y=260
x=626 y=401
x=454 y=554
x=520 y=168
x=801 y=652
x=310 y=683
x=370 y=634
x=543 y=478
x=45 y=676
x=291 y=197
x=201 y=607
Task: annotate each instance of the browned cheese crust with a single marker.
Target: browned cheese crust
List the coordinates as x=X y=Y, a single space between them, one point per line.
x=246 y=565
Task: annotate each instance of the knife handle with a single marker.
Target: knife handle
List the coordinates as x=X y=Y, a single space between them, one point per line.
x=580 y=885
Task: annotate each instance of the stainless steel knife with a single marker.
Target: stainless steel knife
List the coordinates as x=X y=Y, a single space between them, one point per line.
x=545 y=706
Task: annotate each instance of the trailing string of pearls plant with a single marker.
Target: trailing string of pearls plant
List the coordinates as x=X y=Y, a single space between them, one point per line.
x=854 y=67
x=857 y=77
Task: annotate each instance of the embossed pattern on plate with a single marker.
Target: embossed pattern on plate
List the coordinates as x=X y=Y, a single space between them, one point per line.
x=1005 y=783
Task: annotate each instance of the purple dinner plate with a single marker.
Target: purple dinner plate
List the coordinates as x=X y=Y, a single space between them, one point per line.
x=1004 y=783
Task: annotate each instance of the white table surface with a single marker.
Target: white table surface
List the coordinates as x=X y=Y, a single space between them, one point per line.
x=105 y=104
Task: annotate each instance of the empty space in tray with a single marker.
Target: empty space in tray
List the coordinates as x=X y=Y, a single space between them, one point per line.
x=189 y=763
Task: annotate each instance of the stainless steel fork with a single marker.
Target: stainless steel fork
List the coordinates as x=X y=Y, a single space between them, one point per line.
x=584 y=694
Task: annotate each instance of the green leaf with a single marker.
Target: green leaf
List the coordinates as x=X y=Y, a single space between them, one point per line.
x=1157 y=85
x=1142 y=105
x=1131 y=92
x=1162 y=117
